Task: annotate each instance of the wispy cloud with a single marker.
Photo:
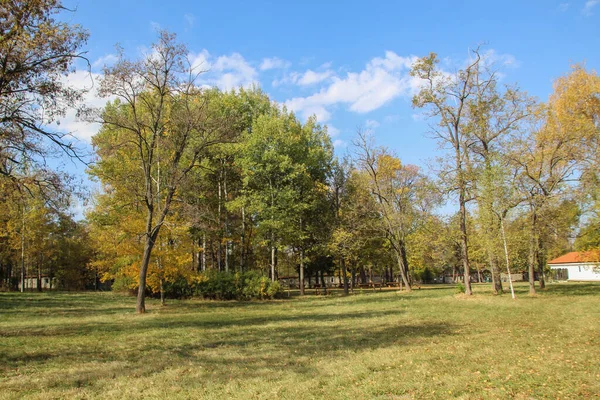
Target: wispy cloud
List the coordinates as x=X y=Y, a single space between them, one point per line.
x=588 y=7
x=563 y=7
x=190 y=20
x=106 y=60
x=273 y=63
x=371 y=124
x=332 y=130
x=306 y=78
x=382 y=80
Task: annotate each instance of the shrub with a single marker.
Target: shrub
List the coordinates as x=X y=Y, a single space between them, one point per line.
x=239 y=286
x=460 y=287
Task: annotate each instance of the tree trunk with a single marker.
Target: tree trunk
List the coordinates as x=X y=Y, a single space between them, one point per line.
x=272 y=261
x=496 y=281
x=541 y=265
x=363 y=275
x=140 y=307
x=533 y=246
x=512 y=289
x=464 y=250
x=39 y=275
x=162 y=292
x=23 y=251
x=243 y=240
x=403 y=277
x=345 y=276
x=301 y=284
x=203 y=251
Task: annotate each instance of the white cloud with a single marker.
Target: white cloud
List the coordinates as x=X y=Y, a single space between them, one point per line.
x=339 y=143
x=306 y=78
x=589 y=5
x=273 y=63
x=225 y=72
x=332 y=130
x=311 y=77
x=382 y=80
x=492 y=57
x=371 y=124
x=106 y=60
x=563 y=7
x=70 y=123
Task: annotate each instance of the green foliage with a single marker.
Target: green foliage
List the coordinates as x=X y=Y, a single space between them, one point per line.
x=217 y=285
x=460 y=288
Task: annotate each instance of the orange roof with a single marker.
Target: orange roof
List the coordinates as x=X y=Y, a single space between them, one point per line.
x=576 y=257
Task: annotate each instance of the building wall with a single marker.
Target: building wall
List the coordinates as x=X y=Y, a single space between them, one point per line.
x=581 y=272
x=32 y=283
x=584 y=273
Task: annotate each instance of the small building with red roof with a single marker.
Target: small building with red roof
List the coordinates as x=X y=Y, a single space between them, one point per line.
x=577 y=266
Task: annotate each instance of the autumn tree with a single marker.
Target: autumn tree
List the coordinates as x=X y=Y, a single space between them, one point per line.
x=38 y=51
x=545 y=163
x=446 y=98
x=494 y=113
x=153 y=135
x=402 y=195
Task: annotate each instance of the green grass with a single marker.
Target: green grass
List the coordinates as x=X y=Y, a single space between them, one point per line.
x=431 y=343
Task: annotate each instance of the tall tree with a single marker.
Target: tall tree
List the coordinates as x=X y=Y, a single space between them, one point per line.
x=446 y=97
x=545 y=161
x=153 y=135
x=402 y=195
x=37 y=52
x=494 y=112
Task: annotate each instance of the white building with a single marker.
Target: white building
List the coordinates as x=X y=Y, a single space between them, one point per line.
x=575 y=266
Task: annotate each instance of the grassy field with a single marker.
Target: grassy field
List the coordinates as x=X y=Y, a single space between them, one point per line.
x=431 y=343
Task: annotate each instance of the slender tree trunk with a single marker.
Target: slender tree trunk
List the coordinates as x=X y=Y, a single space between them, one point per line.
x=408 y=280
x=23 y=250
x=403 y=277
x=496 y=281
x=243 y=240
x=39 y=274
x=203 y=251
x=162 y=292
x=302 y=272
x=362 y=275
x=344 y=275
x=464 y=250
x=532 y=252
x=148 y=246
x=541 y=265
x=512 y=290
x=273 y=256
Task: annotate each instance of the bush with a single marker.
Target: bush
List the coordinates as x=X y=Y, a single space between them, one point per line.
x=235 y=286
x=460 y=287
x=180 y=288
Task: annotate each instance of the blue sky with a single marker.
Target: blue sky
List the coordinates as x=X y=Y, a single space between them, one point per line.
x=348 y=61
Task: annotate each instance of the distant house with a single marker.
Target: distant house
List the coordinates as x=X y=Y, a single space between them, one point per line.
x=32 y=282
x=574 y=266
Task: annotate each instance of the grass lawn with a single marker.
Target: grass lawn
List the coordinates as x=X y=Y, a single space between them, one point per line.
x=431 y=343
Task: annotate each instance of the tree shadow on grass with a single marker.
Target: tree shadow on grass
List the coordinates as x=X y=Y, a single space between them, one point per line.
x=184 y=321
x=253 y=351
x=573 y=289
